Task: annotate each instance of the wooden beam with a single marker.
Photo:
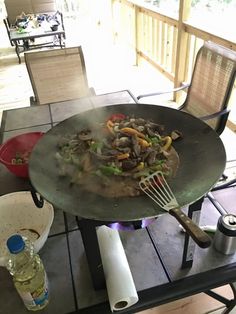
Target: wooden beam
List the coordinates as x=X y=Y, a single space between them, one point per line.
x=137 y=39
x=174 y=50
x=208 y=36
x=160 y=17
x=169 y=75
x=184 y=11
x=231 y=126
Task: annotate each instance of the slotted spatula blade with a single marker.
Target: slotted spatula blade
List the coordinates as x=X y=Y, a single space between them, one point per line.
x=156 y=187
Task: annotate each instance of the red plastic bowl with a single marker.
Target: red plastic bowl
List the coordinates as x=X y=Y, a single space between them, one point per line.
x=19 y=144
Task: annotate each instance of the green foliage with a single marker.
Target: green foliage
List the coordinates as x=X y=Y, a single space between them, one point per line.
x=211 y=3
x=194 y=2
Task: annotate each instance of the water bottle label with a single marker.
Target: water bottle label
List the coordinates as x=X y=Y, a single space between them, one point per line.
x=27 y=298
x=37 y=297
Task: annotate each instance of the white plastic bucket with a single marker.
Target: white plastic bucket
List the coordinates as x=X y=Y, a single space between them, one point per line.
x=18 y=214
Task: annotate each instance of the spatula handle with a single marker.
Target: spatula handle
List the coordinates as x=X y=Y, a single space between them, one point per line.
x=198 y=235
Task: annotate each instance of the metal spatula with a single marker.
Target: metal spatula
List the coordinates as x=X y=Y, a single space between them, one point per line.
x=156 y=187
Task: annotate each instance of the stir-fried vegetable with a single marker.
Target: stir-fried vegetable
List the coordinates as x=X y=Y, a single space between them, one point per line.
x=168 y=141
x=110 y=125
x=21 y=158
x=110 y=170
x=124 y=146
x=117 y=117
x=132 y=131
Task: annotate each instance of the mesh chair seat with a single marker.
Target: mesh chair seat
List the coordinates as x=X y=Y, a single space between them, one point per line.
x=211 y=85
x=212 y=81
x=57 y=75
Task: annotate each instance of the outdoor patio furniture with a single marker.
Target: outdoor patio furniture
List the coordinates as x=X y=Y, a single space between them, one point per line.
x=16 y=7
x=207 y=98
x=210 y=89
x=35 y=30
x=6 y=23
x=57 y=75
x=154 y=253
x=211 y=85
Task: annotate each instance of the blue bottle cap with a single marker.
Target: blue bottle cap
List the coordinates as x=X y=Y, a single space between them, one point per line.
x=15 y=244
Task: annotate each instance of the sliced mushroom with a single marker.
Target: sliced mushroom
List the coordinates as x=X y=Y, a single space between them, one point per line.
x=175 y=135
x=145 y=154
x=102 y=157
x=127 y=124
x=78 y=146
x=135 y=145
x=140 y=128
x=129 y=164
x=162 y=155
x=124 y=149
x=140 y=121
x=150 y=132
x=86 y=162
x=85 y=136
x=123 y=141
x=155 y=127
x=151 y=158
x=110 y=152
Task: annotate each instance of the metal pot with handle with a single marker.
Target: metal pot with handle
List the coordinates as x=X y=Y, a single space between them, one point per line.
x=202 y=161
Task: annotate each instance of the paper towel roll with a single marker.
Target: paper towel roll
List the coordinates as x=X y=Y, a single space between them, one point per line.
x=119 y=281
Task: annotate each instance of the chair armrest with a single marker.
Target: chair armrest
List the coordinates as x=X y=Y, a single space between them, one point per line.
x=215 y=115
x=224 y=185
x=222 y=121
x=164 y=92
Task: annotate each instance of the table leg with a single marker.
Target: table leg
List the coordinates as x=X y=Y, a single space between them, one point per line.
x=232 y=303
x=229 y=303
x=194 y=212
x=90 y=241
x=60 y=42
x=17 y=50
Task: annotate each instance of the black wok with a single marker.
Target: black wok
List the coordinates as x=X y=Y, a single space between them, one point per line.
x=202 y=161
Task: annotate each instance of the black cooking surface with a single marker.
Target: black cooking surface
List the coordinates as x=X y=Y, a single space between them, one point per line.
x=202 y=161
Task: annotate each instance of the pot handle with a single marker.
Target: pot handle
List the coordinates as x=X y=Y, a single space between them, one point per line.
x=198 y=235
x=38 y=201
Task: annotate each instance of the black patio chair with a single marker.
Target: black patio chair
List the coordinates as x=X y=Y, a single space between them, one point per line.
x=211 y=85
x=208 y=93
x=207 y=98
x=7 y=25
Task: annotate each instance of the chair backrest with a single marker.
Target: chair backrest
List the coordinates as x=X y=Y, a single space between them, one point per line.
x=6 y=23
x=16 y=7
x=211 y=84
x=57 y=75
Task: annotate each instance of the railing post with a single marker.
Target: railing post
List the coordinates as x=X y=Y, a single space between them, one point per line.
x=182 y=39
x=136 y=34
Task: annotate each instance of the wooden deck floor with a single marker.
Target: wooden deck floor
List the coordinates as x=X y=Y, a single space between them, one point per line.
x=104 y=75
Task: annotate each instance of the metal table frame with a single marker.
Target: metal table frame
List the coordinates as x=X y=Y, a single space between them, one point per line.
x=173 y=290
x=26 y=37
x=25 y=41
x=169 y=292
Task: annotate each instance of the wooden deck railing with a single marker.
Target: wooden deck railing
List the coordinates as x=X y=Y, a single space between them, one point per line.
x=168 y=43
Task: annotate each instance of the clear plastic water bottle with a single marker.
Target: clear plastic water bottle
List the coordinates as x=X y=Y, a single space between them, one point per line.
x=28 y=273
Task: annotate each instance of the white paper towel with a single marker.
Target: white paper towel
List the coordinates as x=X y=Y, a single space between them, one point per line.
x=119 y=281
